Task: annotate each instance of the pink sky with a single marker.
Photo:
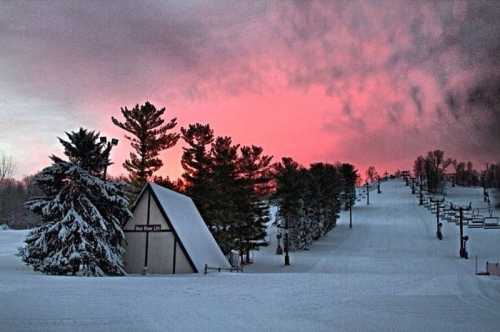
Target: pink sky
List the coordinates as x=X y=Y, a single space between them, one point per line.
x=366 y=82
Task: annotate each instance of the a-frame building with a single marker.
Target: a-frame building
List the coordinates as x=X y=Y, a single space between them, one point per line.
x=167 y=235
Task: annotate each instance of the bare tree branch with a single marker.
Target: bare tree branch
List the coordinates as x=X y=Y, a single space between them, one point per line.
x=7 y=167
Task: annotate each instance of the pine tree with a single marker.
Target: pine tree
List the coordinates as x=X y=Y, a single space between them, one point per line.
x=349 y=177
x=198 y=166
x=149 y=136
x=332 y=189
x=84 y=149
x=177 y=185
x=255 y=174
x=288 y=196
x=82 y=218
x=227 y=220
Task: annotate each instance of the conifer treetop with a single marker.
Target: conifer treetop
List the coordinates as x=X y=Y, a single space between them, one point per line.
x=149 y=135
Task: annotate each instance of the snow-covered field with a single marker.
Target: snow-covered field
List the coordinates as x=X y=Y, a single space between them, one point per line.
x=388 y=273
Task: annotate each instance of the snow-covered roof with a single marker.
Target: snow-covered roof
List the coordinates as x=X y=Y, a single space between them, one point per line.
x=190 y=228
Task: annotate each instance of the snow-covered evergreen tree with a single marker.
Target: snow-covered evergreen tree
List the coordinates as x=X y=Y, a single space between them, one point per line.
x=308 y=200
x=82 y=218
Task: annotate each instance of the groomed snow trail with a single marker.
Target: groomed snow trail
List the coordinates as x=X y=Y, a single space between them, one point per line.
x=387 y=273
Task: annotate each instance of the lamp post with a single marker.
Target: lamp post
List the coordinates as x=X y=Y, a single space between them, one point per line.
x=107 y=151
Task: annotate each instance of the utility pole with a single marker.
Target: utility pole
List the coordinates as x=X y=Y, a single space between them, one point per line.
x=463 y=239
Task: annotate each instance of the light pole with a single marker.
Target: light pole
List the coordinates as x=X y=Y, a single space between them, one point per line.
x=107 y=151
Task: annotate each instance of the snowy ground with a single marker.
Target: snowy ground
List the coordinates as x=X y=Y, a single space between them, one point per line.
x=388 y=273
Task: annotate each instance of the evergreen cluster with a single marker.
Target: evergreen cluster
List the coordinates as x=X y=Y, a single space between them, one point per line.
x=309 y=199
x=229 y=184
x=82 y=214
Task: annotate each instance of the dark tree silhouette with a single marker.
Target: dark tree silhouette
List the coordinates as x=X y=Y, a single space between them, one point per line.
x=149 y=135
x=349 y=176
x=7 y=167
x=255 y=174
x=85 y=149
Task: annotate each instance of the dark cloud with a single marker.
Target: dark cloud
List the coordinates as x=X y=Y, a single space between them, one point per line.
x=416 y=96
x=383 y=63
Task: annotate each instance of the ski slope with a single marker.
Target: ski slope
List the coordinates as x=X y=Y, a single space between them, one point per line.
x=387 y=273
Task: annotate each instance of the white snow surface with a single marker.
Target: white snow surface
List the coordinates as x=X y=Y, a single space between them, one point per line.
x=387 y=273
x=192 y=230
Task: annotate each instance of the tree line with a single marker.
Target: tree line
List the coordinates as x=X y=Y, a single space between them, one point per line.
x=435 y=170
x=81 y=210
x=309 y=199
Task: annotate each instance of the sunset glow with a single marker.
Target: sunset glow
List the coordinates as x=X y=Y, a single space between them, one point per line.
x=366 y=82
